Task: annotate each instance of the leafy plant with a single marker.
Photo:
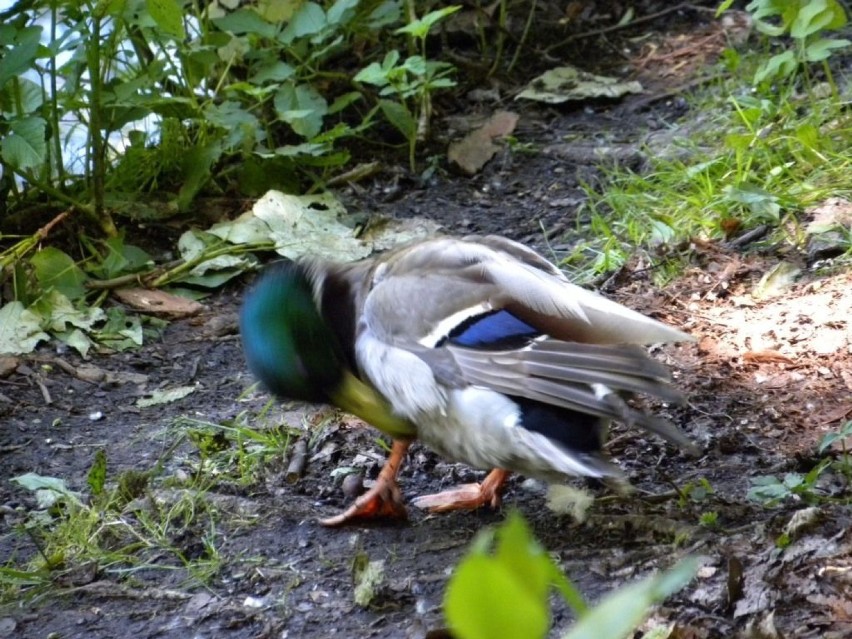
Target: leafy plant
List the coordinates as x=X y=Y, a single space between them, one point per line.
x=412 y=81
x=771 y=490
x=802 y=20
x=116 y=529
x=502 y=588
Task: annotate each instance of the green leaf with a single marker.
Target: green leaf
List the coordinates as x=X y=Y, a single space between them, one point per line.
x=97 y=473
x=308 y=20
x=344 y=101
x=245 y=21
x=20 y=58
x=841 y=435
x=59 y=314
x=484 y=600
x=724 y=6
x=813 y=16
x=56 y=269
x=374 y=73
x=761 y=203
x=420 y=28
x=20 y=330
x=122 y=258
x=168 y=16
x=197 y=167
x=387 y=13
x=523 y=556
x=822 y=49
x=36 y=483
x=621 y=612
x=400 y=117
x=21 y=99
x=277 y=71
x=341 y=12
x=302 y=107
x=121 y=332
x=25 y=146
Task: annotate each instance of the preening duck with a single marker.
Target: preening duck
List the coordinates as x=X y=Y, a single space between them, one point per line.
x=478 y=347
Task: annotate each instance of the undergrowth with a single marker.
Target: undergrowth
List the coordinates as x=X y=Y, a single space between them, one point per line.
x=783 y=147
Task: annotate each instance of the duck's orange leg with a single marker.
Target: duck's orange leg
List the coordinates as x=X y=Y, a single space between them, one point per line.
x=383 y=499
x=468 y=496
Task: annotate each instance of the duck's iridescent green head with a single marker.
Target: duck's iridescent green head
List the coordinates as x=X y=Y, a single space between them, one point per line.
x=287 y=344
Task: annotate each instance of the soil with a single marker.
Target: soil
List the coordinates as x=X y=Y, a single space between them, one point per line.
x=766 y=380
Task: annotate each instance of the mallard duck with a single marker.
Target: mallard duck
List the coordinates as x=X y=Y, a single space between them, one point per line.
x=478 y=347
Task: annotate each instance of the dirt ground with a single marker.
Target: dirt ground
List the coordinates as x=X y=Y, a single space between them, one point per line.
x=766 y=380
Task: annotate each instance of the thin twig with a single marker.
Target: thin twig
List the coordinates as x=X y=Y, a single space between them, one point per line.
x=627 y=25
x=298 y=462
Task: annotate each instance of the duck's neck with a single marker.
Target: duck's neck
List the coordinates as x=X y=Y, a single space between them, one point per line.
x=338 y=302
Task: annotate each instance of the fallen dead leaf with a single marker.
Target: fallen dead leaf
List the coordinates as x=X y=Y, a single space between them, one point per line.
x=473 y=151
x=158 y=302
x=8 y=365
x=767 y=356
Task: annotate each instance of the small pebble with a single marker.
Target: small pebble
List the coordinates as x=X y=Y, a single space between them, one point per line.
x=353 y=485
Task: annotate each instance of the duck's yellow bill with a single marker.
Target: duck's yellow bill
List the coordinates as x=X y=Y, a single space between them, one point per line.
x=354 y=396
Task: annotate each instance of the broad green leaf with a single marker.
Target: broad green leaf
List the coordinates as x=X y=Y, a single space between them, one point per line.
x=38 y=483
x=20 y=330
x=97 y=473
x=822 y=49
x=121 y=331
x=621 y=612
x=77 y=340
x=523 y=557
x=59 y=313
x=25 y=146
x=484 y=600
x=302 y=107
x=168 y=16
x=122 y=258
x=760 y=202
x=20 y=58
x=56 y=269
x=277 y=71
x=387 y=13
x=373 y=74
x=812 y=16
x=244 y=21
x=341 y=12
x=21 y=99
x=782 y=64
x=400 y=117
x=308 y=20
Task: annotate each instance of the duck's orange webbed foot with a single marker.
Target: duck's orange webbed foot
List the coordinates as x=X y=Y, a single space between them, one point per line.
x=383 y=500
x=468 y=496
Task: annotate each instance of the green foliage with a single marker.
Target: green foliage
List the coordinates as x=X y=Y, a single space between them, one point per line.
x=118 y=528
x=778 y=155
x=412 y=81
x=502 y=588
x=804 y=21
x=505 y=592
x=169 y=94
x=770 y=490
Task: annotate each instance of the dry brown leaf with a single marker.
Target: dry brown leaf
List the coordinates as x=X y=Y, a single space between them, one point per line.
x=158 y=302
x=472 y=152
x=768 y=355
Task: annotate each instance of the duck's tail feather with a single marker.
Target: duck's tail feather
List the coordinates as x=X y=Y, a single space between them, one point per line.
x=580 y=377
